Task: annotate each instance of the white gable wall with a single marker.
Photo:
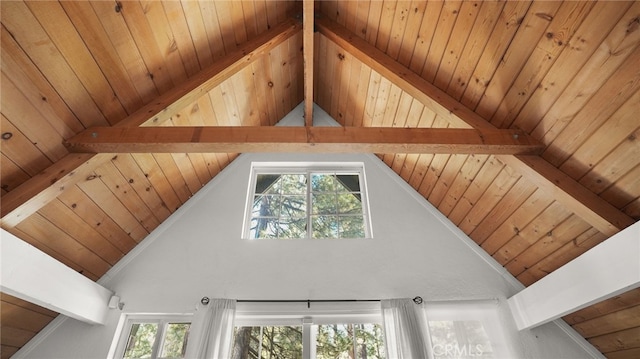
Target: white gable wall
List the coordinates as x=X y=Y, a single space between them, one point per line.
x=199 y=252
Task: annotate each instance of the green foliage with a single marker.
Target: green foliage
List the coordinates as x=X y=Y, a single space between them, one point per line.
x=270 y=342
x=175 y=340
x=338 y=341
x=141 y=340
x=280 y=206
x=459 y=339
x=350 y=341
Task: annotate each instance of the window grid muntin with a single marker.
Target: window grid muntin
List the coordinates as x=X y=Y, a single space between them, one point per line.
x=154 y=345
x=161 y=321
x=339 y=188
x=310 y=330
x=356 y=170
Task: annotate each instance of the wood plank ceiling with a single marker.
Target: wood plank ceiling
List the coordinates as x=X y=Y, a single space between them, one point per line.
x=565 y=73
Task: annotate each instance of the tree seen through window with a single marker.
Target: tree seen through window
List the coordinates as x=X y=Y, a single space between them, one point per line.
x=144 y=338
x=307 y=205
x=332 y=341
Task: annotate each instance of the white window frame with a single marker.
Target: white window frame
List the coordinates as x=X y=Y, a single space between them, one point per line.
x=121 y=336
x=307 y=316
x=308 y=168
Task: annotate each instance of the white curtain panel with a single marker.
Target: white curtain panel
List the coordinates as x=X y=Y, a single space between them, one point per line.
x=213 y=329
x=405 y=329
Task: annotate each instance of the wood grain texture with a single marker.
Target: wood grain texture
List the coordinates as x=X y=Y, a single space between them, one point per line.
x=308 y=24
x=295 y=139
x=563 y=72
x=46 y=186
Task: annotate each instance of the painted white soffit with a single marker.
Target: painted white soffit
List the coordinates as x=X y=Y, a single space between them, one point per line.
x=34 y=276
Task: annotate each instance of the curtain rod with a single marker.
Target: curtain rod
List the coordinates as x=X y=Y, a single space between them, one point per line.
x=206 y=300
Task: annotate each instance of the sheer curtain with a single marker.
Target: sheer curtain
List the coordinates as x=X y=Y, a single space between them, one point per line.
x=213 y=329
x=405 y=329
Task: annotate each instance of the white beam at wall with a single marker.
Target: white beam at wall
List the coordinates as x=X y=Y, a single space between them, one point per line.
x=34 y=276
x=608 y=269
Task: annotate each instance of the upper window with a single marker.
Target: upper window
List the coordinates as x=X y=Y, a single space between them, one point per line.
x=154 y=337
x=307 y=202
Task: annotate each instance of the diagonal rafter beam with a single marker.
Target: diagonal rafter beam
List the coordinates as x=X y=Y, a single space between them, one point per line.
x=172 y=102
x=41 y=189
x=303 y=139
x=47 y=185
x=584 y=203
x=438 y=101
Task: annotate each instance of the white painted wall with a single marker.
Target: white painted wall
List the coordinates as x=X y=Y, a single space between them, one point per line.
x=198 y=252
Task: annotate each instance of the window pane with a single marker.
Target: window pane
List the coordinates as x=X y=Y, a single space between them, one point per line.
x=175 y=340
x=321 y=198
x=459 y=339
x=141 y=339
x=348 y=203
x=349 y=183
x=265 y=183
x=264 y=228
x=324 y=226
x=324 y=203
x=323 y=182
x=246 y=342
x=292 y=184
x=269 y=342
x=266 y=206
x=358 y=341
x=351 y=227
x=292 y=228
x=293 y=206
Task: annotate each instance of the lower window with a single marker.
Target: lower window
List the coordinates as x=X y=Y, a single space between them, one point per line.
x=328 y=341
x=154 y=338
x=459 y=339
x=267 y=342
x=467 y=331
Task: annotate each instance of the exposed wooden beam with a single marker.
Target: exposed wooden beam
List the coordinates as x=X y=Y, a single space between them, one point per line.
x=584 y=203
x=32 y=195
x=302 y=139
x=170 y=103
x=429 y=95
x=608 y=269
x=47 y=185
x=307 y=43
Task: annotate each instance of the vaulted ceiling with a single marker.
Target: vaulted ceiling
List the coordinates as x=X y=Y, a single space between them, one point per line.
x=562 y=78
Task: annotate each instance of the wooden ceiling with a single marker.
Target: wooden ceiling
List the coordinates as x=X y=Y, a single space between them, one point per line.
x=565 y=74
